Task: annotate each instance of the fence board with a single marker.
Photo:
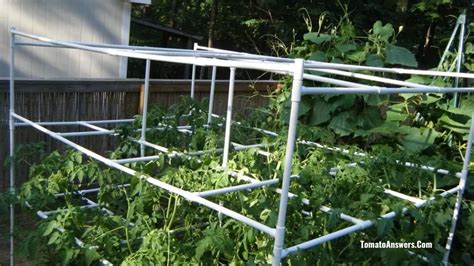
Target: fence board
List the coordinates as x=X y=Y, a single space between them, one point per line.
x=70 y=100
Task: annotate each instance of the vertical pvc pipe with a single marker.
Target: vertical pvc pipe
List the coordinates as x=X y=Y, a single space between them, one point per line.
x=228 y=120
x=145 y=107
x=12 y=142
x=448 y=46
x=193 y=75
x=290 y=146
x=462 y=21
x=462 y=185
x=211 y=95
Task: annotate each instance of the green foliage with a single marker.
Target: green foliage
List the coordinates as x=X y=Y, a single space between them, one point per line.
x=147 y=226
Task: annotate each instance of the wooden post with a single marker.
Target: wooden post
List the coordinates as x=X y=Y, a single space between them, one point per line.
x=141 y=99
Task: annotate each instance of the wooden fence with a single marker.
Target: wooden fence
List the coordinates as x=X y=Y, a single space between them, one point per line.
x=72 y=100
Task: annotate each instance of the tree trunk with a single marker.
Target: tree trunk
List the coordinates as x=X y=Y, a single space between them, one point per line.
x=212 y=23
x=210 y=33
x=173 y=13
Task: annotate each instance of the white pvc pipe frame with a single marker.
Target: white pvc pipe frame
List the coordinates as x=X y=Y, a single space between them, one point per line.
x=233 y=60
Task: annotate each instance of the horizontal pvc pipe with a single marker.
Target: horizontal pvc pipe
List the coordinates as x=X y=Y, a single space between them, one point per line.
x=186 y=194
x=379 y=90
x=357 y=227
x=78 y=242
x=86 y=191
x=242 y=177
x=336 y=82
x=102 y=45
x=372 y=78
x=342 y=216
x=250 y=186
x=151 y=145
x=175 y=154
x=402 y=196
x=138 y=159
x=75 y=123
x=91 y=126
x=261 y=130
x=313 y=65
x=309 y=64
x=343 y=151
x=305 y=201
x=240 y=146
x=85 y=133
x=317 y=66
x=62 y=210
x=246 y=55
x=426 y=167
x=166 y=51
x=267 y=66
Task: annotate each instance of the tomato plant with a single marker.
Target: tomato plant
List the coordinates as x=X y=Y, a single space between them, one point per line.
x=135 y=223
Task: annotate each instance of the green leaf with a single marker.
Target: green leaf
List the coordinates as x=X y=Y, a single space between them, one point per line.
x=358 y=57
x=320 y=113
x=431 y=98
x=419 y=139
x=397 y=112
x=374 y=60
x=78 y=158
x=375 y=99
x=317 y=38
x=202 y=247
x=51 y=226
x=469 y=48
x=446 y=122
x=342 y=102
x=458 y=111
x=305 y=106
x=369 y=118
x=424 y=80
x=397 y=55
x=318 y=56
x=384 y=32
x=384 y=226
x=343 y=124
x=347 y=47
x=441 y=218
x=91 y=255
x=54 y=236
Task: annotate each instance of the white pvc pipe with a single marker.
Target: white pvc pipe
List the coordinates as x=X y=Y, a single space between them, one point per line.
x=73 y=123
x=185 y=59
x=313 y=65
x=378 y=90
x=228 y=120
x=193 y=75
x=93 y=126
x=290 y=147
x=336 y=82
x=78 y=242
x=373 y=78
x=85 y=133
x=450 y=42
x=211 y=95
x=249 y=186
x=459 y=56
x=357 y=227
x=151 y=145
x=172 y=189
x=402 y=196
x=462 y=186
x=145 y=107
x=11 y=126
